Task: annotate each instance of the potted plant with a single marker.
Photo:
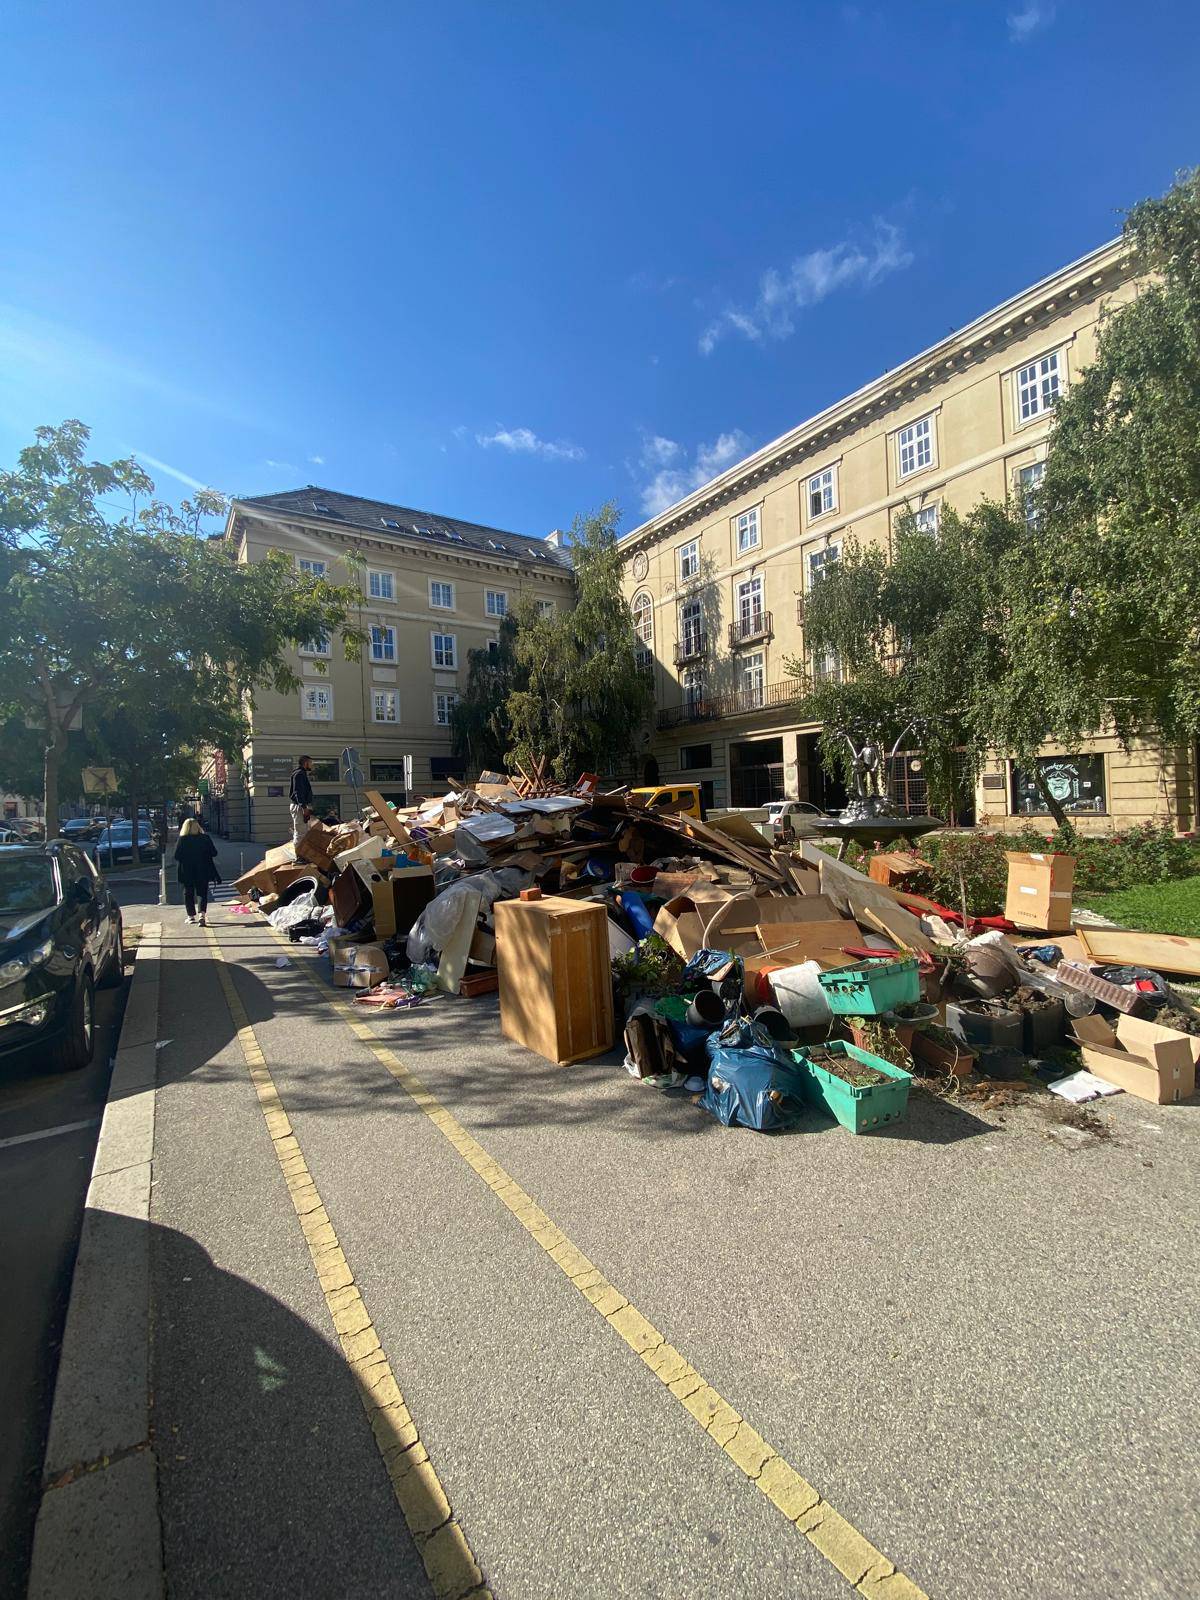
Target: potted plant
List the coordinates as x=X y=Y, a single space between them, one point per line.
x=937 y=1047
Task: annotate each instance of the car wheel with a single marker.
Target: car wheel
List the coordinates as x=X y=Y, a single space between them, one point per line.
x=114 y=967
x=74 y=1049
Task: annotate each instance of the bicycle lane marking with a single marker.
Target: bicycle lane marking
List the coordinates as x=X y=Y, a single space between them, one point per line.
x=866 y=1568
x=449 y=1563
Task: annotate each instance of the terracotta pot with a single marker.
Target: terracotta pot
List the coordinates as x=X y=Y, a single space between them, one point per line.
x=946 y=1058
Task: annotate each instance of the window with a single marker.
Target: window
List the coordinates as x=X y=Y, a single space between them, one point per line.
x=708 y=794
x=747 y=531
x=441 y=595
x=315 y=569
x=689 y=560
x=1029 y=481
x=1076 y=782
x=381 y=585
x=1038 y=387
x=750 y=607
x=319 y=646
x=387 y=772
x=443 y=705
x=493 y=647
x=316 y=703
x=496 y=545
x=319 y=505
x=754 y=678
x=325 y=771
x=444 y=648
x=385 y=705
x=822 y=494
x=390 y=522
x=496 y=603
x=927 y=519
x=827 y=666
x=693 y=690
x=383 y=642
x=915 y=447
x=691 y=628
x=441 y=767
x=693 y=756
x=545 y=609
x=820 y=561
x=643 y=628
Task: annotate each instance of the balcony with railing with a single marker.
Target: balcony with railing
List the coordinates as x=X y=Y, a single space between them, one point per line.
x=735 y=703
x=692 y=645
x=750 y=627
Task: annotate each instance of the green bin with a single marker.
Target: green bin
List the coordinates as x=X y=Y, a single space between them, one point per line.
x=859 y=1110
x=869 y=988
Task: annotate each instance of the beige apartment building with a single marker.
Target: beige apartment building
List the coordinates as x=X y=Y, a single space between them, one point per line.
x=717 y=582
x=433 y=588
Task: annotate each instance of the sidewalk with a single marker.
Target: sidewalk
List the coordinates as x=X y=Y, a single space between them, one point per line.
x=968 y=1336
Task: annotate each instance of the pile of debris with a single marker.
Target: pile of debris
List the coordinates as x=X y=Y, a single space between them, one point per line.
x=764 y=977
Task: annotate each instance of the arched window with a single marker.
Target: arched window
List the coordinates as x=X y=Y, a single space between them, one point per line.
x=643 y=627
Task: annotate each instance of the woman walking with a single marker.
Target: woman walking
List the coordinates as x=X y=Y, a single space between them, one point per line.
x=197 y=858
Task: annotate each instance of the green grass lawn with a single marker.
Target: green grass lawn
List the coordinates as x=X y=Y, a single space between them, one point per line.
x=1152 y=907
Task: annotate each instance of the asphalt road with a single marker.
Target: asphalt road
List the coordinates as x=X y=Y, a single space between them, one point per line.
x=43 y=1181
x=972 y=1332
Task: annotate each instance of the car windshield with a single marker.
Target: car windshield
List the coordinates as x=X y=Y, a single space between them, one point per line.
x=26 y=884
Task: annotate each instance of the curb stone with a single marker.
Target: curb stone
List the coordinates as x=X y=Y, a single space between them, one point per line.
x=98 y=1532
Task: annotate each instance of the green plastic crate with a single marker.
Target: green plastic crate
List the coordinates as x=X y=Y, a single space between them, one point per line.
x=859 y=1110
x=869 y=988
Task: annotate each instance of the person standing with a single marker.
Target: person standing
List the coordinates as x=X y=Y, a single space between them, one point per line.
x=197 y=858
x=301 y=799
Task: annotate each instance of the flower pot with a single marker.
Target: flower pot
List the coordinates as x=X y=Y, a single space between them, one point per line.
x=986 y=1025
x=707 y=1010
x=952 y=1058
x=858 y=1109
x=1042 y=1026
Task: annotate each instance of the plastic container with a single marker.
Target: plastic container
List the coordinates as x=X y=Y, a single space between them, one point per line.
x=707 y=1010
x=860 y=1110
x=872 y=987
x=1042 y=1026
x=992 y=1027
x=773 y=1021
x=634 y=908
x=799 y=995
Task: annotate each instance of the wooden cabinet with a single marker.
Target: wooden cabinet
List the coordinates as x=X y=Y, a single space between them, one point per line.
x=555 y=983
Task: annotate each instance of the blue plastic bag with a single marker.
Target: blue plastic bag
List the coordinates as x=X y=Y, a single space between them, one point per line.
x=752 y=1081
x=705 y=966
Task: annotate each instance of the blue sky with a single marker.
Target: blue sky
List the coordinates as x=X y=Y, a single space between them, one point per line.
x=508 y=261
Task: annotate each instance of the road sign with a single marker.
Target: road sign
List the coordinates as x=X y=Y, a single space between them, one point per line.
x=99 y=780
x=352 y=767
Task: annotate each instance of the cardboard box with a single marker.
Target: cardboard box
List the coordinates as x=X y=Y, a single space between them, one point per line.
x=350 y=898
x=314 y=846
x=357 y=963
x=1143 y=1058
x=483 y=948
x=398 y=898
x=893 y=866
x=1039 y=891
x=271 y=880
x=682 y=921
x=555 y=984
x=370 y=849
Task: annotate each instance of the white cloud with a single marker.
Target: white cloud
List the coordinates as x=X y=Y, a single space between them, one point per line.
x=659 y=452
x=672 y=483
x=1022 y=25
x=523 y=441
x=280 y=466
x=809 y=280
x=317 y=461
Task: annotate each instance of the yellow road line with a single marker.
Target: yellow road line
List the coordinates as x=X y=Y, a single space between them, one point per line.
x=854 y=1556
x=452 y=1569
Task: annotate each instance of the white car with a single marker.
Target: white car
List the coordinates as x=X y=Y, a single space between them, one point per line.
x=789 y=814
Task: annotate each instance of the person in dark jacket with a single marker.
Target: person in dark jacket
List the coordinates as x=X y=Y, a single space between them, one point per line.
x=301 y=799
x=197 y=858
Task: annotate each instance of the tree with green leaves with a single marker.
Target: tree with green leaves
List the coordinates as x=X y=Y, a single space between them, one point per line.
x=581 y=699
x=480 y=724
x=1116 y=567
x=138 y=615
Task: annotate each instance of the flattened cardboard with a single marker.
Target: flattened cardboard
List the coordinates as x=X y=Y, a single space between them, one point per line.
x=387 y=816
x=682 y=921
x=795 y=942
x=314 y=846
x=1162 y=952
x=1143 y=1058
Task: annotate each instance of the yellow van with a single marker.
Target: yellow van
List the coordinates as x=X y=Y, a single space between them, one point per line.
x=682 y=799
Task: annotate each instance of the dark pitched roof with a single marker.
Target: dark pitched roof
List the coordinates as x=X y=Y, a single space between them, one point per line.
x=382 y=520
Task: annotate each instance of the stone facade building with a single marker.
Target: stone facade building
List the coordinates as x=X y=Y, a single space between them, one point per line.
x=717 y=582
x=433 y=588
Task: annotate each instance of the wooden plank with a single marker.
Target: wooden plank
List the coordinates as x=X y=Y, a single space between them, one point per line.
x=896 y=924
x=721 y=844
x=809 y=941
x=1161 y=952
x=387 y=817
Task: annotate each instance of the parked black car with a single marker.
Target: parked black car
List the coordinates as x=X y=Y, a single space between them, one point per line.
x=120 y=838
x=60 y=938
x=77 y=828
